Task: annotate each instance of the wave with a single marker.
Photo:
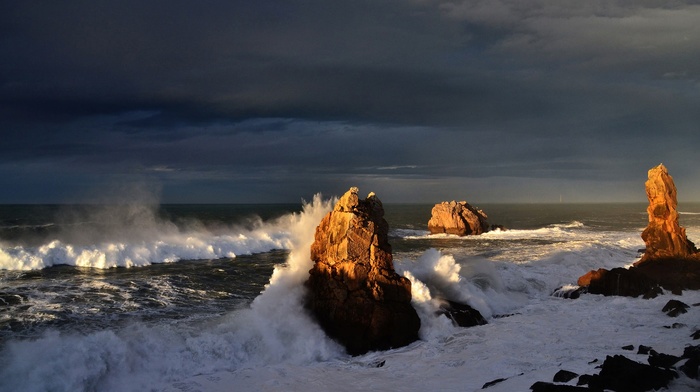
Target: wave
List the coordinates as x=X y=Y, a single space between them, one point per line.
x=274 y=329
x=161 y=249
x=141 y=240
x=553 y=231
x=570 y=225
x=435 y=276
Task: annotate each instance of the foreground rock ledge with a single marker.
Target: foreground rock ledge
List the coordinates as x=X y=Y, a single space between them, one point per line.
x=353 y=290
x=458 y=218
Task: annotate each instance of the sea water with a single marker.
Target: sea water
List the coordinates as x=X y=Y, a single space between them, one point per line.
x=208 y=297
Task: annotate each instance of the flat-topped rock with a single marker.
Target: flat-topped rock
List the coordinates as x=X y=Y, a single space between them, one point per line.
x=458 y=218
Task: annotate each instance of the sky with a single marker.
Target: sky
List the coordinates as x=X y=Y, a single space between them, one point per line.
x=236 y=101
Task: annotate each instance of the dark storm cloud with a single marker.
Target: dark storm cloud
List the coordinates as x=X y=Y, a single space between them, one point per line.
x=259 y=97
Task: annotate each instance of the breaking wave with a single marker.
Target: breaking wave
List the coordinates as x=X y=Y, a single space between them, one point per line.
x=128 y=239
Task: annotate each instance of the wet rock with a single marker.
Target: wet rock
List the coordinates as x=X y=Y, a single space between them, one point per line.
x=569 y=292
x=691 y=368
x=673 y=308
x=644 y=350
x=458 y=218
x=622 y=374
x=584 y=379
x=564 y=376
x=661 y=360
x=692 y=365
x=353 y=290
x=619 y=281
x=462 y=315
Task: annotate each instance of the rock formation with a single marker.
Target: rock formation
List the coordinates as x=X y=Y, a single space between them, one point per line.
x=670 y=260
x=457 y=218
x=620 y=281
x=462 y=315
x=353 y=290
x=664 y=237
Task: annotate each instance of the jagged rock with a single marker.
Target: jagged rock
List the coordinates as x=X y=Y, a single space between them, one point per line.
x=662 y=360
x=353 y=289
x=584 y=379
x=663 y=236
x=458 y=218
x=622 y=374
x=462 y=315
x=674 y=307
x=644 y=350
x=691 y=367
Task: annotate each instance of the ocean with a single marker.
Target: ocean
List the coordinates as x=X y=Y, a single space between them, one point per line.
x=148 y=297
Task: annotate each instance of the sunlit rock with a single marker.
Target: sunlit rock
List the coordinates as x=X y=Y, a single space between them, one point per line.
x=458 y=218
x=670 y=260
x=663 y=236
x=354 y=291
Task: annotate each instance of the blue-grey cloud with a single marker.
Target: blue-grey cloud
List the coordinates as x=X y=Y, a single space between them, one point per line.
x=293 y=97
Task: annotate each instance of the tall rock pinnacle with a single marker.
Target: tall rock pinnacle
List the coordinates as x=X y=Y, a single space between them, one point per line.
x=664 y=237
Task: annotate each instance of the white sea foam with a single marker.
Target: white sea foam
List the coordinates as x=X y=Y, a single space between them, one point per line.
x=164 y=246
x=476 y=283
x=555 y=231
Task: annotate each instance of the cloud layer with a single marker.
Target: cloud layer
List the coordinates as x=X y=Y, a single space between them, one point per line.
x=241 y=101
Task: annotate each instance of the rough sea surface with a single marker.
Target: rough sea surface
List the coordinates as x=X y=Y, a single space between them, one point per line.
x=141 y=297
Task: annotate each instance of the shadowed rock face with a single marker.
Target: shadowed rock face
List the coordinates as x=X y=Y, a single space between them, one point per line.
x=664 y=237
x=354 y=292
x=458 y=218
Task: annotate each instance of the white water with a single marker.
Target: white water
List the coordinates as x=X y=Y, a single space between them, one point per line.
x=273 y=345
x=160 y=244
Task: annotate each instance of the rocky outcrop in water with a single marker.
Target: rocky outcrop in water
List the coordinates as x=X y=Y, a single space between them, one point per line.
x=663 y=236
x=620 y=281
x=458 y=218
x=462 y=315
x=353 y=289
x=670 y=260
